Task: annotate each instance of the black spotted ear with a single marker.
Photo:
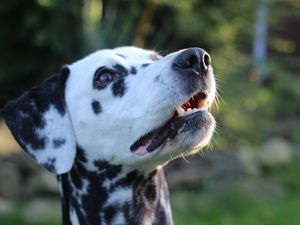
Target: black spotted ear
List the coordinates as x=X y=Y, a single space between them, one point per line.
x=40 y=122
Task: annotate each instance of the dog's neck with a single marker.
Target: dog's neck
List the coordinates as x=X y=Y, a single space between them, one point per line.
x=111 y=196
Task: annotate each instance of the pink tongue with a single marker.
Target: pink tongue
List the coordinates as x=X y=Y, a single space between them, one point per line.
x=142 y=150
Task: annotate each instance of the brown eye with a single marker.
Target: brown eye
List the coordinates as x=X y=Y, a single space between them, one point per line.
x=104 y=78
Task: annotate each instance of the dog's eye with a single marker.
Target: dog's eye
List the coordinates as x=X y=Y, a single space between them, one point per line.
x=104 y=76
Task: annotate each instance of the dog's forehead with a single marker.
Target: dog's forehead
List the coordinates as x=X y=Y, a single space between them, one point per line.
x=136 y=54
x=125 y=56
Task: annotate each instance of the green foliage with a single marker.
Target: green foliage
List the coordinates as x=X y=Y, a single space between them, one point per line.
x=37 y=38
x=16 y=217
x=235 y=209
x=42 y=35
x=274 y=200
x=251 y=112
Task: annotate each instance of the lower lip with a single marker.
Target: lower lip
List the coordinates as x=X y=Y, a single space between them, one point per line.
x=175 y=124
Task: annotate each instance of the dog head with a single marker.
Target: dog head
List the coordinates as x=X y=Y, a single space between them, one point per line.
x=126 y=105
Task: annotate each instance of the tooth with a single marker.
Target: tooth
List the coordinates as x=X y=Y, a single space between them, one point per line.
x=180 y=111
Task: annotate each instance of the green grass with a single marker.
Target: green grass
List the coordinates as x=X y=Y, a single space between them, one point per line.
x=270 y=199
x=225 y=208
x=16 y=217
x=234 y=209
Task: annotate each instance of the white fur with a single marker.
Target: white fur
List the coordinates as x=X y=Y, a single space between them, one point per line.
x=146 y=105
x=118 y=218
x=120 y=195
x=74 y=217
x=57 y=126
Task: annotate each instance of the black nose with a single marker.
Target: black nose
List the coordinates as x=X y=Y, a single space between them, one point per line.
x=192 y=61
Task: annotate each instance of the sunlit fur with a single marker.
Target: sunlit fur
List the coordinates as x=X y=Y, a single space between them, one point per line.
x=82 y=131
x=150 y=99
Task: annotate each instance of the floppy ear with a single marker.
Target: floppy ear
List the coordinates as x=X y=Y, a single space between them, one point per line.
x=40 y=122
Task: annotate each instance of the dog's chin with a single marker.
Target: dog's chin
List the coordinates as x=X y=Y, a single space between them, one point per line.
x=181 y=135
x=195 y=133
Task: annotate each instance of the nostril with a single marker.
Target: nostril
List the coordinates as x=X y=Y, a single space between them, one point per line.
x=188 y=62
x=206 y=60
x=192 y=61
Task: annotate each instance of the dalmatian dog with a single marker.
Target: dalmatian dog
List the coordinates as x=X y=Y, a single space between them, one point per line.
x=106 y=124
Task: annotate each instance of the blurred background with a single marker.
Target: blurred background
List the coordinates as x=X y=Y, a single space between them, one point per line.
x=249 y=175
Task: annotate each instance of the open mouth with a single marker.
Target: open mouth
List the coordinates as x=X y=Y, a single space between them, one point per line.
x=185 y=112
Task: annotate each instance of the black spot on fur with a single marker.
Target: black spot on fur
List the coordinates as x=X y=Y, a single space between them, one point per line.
x=35 y=103
x=133 y=70
x=80 y=154
x=129 y=179
x=135 y=210
x=93 y=200
x=145 y=65
x=108 y=170
x=128 y=212
x=160 y=215
x=119 y=87
x=121 y=70
x=92 y=206
x=96 y=107
x=82 y=169
x=65 y=200
x=50 y=164
x=79 y=170
x=58 y=142
x=150 y=192
x=75 y=177
x=109 y=213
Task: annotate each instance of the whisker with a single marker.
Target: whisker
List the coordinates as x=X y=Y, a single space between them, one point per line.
x=185 y=159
